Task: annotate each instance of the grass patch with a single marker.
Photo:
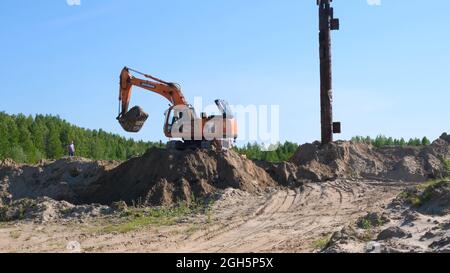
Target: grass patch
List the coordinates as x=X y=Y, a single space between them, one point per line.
x=4 y=225
x=366 y=224
x=3 y=213
x=138 y=218
x=368 y=235
x=15 y=234
x=89 y=249
x=369 y=229
x=422 y=193
x=192 y=229
x=411 y=198
x=17 y=211
x=321 y=243
x=371 y=221
x=446 y=165
x=209 y=216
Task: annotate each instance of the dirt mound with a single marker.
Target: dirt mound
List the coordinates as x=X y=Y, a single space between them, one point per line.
x=343 y=241
x=284 y=173
x=346 y=159
x=162 y=177
x=431 y=199
x=445 y=137
x=392 y=232
x=44 y=209
x=437 y=199
x=372 y=219
x=64 y=179
x=418 y=220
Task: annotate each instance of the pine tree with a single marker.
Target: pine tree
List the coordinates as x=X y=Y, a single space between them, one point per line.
x=54 y=146
x=402 y=142
x=4 y=143
x=425 y=141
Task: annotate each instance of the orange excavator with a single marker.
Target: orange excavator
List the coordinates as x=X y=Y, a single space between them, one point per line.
x=181 y=120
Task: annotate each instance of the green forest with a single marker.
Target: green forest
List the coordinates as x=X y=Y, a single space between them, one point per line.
x=282 y=152
x=383 y=141
x=285 y=151
x=29 y=139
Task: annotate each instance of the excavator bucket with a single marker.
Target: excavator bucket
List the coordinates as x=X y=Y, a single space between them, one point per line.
x=133 y=120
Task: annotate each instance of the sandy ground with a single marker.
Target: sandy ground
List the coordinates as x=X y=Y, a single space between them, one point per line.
x=281 y=220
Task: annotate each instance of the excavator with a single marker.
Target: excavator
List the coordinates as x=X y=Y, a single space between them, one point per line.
x=181 y=121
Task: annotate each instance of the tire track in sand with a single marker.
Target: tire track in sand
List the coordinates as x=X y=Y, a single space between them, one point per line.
x=290 y=220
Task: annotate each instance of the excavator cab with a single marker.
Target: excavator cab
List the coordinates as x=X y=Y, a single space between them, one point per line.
x=171 y=117
x=177 y=118
x=224 y=108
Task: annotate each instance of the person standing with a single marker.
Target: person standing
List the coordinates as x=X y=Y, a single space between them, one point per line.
x=71 y=149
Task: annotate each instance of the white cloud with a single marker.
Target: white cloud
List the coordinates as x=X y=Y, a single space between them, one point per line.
x=374 y=2
x=73 y=2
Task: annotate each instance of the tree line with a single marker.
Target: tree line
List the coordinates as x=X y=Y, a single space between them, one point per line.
x=383 y=141
x=284 y=152
x=28 y=139
x=277 y=153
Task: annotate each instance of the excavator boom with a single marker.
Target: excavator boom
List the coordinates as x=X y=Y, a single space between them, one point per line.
x=168 y=90
x=133 y=120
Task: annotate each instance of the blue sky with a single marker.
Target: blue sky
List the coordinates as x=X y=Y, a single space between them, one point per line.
x=391 y=62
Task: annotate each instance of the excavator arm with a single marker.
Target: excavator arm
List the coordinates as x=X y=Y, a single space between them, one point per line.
x=168 y=90
x=132 y=120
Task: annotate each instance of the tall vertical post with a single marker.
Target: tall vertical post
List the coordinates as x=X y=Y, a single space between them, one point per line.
x=326 y=23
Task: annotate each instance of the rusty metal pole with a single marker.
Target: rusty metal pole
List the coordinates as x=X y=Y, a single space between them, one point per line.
x=326 y=23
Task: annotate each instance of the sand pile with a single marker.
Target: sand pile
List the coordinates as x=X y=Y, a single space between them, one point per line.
x=44 y=209
x=436 y=199
x=284 y=173
x=64 y=179
x=432 y=198
x=344 y=159
x=162 y=177
x=418 y=220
